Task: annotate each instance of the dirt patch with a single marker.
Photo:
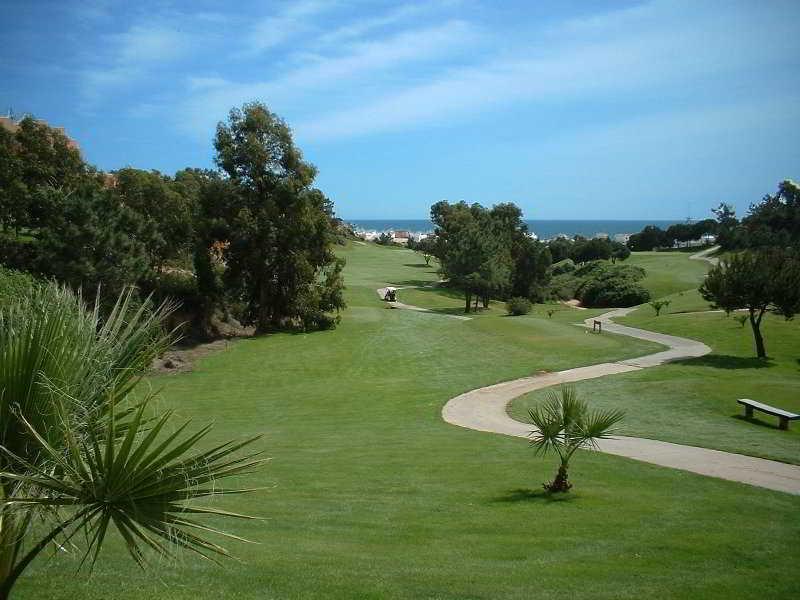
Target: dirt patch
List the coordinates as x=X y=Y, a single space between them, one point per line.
x=181 y=359
x=574 y=304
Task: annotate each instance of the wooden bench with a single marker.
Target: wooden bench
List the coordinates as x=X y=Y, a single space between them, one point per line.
x=784 y=415
x=597 y=327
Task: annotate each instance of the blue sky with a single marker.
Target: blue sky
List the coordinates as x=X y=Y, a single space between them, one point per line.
x=571 y=109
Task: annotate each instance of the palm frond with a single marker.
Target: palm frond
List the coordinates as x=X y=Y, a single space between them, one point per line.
x=75 y=449
x=563 y=422
x=141 y=484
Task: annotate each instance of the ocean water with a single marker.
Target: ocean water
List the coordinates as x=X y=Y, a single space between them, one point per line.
x=545 y=229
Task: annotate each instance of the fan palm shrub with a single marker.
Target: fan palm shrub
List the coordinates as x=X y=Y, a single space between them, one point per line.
x=565 y=424
x=80 y=453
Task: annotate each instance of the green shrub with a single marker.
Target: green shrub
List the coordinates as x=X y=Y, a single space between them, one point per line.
x=14 y=284
x=601 y=284
x=564 y=266
x=563 y=287
x=613 y=292
x=518 y=306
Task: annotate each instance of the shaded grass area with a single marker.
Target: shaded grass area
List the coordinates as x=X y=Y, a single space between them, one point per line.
x=694 y=401
x=372 y=495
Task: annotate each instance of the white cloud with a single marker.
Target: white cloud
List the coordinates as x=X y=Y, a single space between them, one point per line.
x=627 y=51
x=400 y=14
x=132 y=54
x=151 y=44
x=362 y=62
x=287 y=23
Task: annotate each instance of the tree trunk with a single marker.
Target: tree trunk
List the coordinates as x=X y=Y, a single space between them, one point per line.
x=561 y=482
x=264 y=321
x=468 y=298
x=755 y=323
x=486 y=302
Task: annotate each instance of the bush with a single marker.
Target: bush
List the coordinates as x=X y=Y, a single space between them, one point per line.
x=564 y=266
x=20 y=254
x=13 y=285
x=615 y=292
x=600 y=284
x=518 y=306
x=604 y=285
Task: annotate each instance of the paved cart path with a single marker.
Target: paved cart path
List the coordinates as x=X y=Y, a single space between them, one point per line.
x=484 y=409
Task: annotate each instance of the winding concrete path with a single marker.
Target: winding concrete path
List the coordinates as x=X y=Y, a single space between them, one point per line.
x=484 y=409
x=704 y=255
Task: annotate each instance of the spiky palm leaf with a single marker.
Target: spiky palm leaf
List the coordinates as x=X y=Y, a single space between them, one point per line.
x=74 y=449
x=563 y=423
x=140 y=482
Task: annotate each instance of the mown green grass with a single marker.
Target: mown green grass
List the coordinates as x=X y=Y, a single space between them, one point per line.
x=694 y=401
x=372 y=495
x=669 y=272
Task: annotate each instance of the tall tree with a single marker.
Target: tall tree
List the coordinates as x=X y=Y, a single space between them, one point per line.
x=584 y=251
x=648 y=238
x=531 y=271
x=48 y=159
x=166 y=211
x=93 y=241
x=280 y=258
x=729 y=233
x=757 y=281
x=619 y=251
x=775 y=221
x=471 y=256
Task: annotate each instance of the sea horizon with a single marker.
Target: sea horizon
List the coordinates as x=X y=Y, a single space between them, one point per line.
x=543 y=228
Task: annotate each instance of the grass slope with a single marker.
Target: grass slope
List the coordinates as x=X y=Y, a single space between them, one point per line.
x=376 y=497
x=669 y=272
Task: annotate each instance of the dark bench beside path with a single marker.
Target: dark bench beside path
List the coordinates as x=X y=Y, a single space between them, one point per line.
x=784 y=415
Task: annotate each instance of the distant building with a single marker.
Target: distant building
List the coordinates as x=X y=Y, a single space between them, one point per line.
x=10 y=124
x=401 y=237
x=622 y=238
x=704 y=240
x=600 y=236
x=708 y=238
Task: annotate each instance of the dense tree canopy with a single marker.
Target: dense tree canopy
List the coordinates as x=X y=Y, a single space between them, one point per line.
x=488 y=252
x=252 y=241
x=775 y=221
x=33 y=157
x=471 y=257
x=648 y=238
x=94 y=243
x=167 y=212
x=280 y=259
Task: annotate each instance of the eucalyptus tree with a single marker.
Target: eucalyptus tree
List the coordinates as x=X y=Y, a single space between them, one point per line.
x=280 y=260
x=81 y=453
x=470 y=255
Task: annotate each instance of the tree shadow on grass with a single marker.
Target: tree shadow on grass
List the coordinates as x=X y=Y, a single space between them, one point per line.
x=418 y=265
x=727 y=361
x=413 y=282
x=453 y=310
x=529 y=495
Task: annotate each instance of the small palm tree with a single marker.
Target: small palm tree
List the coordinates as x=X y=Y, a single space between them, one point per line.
x=563 y=425
x=79 y=453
